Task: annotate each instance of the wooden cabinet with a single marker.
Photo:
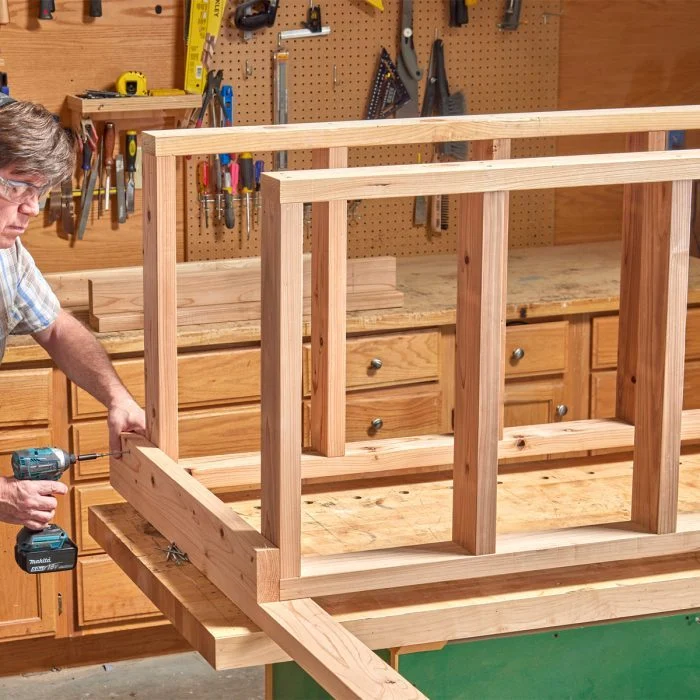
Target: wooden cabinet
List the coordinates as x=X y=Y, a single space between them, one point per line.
x=534 y=402
x=83 y=498
x=204 y=379
x=388 y=413
x=606 y=332
x=106 y=595
x=536 y=349
x=28 y=602
x=603 y=385
x=26 y=396
x=386 y=359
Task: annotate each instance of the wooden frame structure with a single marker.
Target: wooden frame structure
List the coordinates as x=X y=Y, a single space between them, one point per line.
x=264 y=573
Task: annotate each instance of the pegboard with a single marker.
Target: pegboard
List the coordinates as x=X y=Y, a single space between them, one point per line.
x=330 y=78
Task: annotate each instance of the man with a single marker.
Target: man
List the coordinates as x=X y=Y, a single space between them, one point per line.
x=35 y=152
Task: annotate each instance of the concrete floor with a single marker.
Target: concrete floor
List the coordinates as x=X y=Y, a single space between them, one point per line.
x=173 y=677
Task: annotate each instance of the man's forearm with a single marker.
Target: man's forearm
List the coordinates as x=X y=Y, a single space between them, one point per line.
x=77 y=352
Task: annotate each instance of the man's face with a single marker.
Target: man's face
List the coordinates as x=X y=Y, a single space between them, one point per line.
x=14 y=217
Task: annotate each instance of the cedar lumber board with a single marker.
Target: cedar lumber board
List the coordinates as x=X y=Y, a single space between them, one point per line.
x=224 y=282
x=237 y=559
x=241 y=311
x=515 y=554
x=484 y=176
x=160 y=323
x=411 y=455
x=398 y=617
x=179 y=142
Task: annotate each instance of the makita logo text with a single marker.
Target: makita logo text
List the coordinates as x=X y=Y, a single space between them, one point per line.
x=45 y=560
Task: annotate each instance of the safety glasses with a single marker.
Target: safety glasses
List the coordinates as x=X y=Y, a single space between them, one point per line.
x=20 y=192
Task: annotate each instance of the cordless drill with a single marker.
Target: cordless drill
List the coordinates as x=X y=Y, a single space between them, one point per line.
x=50 y=549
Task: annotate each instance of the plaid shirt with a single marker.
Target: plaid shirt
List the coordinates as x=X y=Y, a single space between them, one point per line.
x=27 y=302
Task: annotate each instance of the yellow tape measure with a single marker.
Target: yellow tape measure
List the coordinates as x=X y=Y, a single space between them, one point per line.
x=204 y=26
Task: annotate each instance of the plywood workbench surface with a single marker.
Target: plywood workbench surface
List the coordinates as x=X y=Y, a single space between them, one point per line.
x=410 y=513
x=353 y=517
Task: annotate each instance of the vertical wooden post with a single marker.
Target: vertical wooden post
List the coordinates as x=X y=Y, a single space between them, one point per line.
x=482 y=247
x=160 y=301
x=328 y=304
x=632 y=227
x=282 y=297
x=660 y=340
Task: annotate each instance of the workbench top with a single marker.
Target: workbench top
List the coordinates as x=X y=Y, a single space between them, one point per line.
x=542 y=282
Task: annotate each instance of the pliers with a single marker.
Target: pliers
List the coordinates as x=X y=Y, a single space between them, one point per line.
x=212 y=89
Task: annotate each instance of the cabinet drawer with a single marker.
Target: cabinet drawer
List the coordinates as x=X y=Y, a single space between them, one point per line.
x=26 y=396
x=205 y=378
x=385 y=360
x=83 y=498
x=606 y=333
x=603 y=391
x=537 y=348
x=404 y=411
x=106 y=594
x=235 y=429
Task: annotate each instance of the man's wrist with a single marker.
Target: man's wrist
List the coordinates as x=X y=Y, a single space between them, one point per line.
x=118 y=397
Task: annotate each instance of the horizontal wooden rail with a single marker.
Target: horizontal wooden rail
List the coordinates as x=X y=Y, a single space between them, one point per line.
x=226 y=638
x=481 y=176
x=180 y=142
x=414 y=455
x=515 y=553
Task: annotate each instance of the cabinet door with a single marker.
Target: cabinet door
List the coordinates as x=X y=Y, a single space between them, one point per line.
x=28 y=601
x=533 y=403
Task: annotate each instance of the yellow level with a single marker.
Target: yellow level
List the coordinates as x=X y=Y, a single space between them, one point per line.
x=204 y=26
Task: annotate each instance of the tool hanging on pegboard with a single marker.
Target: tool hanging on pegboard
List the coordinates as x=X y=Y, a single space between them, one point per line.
x=251 y=15
x=388 y=91
x=204 y=23
x=511 y=15
x=438 y=100
x=407 y=63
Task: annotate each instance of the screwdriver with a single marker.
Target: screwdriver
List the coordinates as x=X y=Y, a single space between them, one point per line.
x=203 y=186
x=131 y=149
x=245 y=161
x=108 y=158
x=259 y=169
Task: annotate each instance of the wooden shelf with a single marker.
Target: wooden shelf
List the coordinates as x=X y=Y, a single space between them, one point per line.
x=132 y=106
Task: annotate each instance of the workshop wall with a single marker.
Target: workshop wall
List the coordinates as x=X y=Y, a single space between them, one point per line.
x=620 y=53
x=47 y=60
x=566 y=54
x=330 y=78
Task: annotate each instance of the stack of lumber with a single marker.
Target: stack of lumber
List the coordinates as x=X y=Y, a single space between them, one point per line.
x=228 y=290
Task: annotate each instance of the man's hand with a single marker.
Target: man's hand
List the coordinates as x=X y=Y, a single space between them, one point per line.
x=29 y=503
x=126 y=416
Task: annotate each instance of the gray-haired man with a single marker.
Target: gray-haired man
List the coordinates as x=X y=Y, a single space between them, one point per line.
x=35 y=153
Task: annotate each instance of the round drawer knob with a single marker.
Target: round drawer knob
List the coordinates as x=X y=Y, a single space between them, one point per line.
x=562 y=409
x=375 y=363
x=377 y=424
x=518 y=354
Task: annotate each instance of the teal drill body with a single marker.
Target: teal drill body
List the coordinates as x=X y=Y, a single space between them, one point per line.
x=49 y=549
x=41 y=463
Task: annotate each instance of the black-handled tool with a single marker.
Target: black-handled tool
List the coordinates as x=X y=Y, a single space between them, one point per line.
x=255 y=14
x=95 y=8
x=46 y=8
x=511 y=15
x=459 y=15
